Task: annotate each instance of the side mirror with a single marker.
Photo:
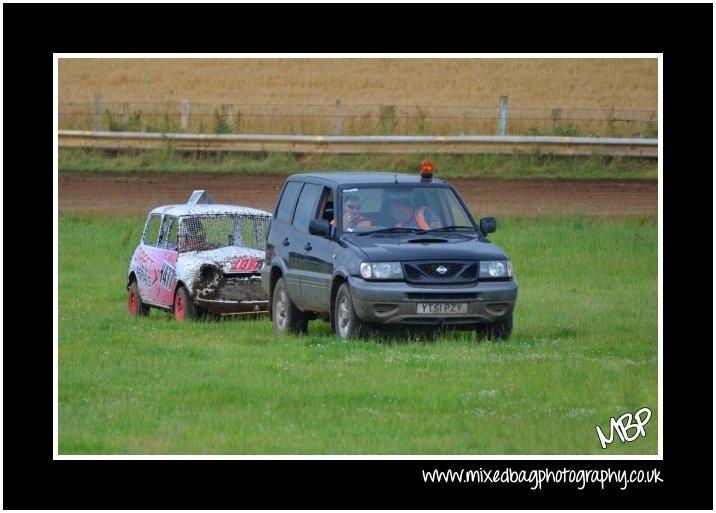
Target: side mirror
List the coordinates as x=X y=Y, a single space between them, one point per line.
x=488 y=225
x=321 y=227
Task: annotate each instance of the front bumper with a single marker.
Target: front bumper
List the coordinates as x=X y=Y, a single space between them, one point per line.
x=396 y=303
x=233 y=295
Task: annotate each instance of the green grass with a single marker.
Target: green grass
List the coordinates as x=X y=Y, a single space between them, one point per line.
x=447 y=166
x=584 y=350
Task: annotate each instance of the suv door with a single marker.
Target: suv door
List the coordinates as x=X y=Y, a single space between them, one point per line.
x=280 y=235
x=317 y=271
x=302 y=264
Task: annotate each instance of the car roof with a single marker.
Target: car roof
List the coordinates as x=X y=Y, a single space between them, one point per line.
x=343 y=178
x=186 y=209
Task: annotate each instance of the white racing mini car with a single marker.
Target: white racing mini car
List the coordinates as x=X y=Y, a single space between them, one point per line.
x=199 y=258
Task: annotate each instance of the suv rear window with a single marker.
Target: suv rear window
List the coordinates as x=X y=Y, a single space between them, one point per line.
x=306 y=208
x=287 y=201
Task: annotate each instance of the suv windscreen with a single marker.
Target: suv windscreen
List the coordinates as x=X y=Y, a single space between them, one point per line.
x=367 y=209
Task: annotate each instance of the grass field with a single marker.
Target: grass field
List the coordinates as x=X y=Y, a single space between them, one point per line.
x=451 y=166
x=584 y=350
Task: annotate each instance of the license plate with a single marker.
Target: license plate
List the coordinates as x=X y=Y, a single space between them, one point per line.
x=442 y=308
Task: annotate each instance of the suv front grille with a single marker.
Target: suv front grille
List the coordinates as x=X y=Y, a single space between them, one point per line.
x=470 y=273
x=440 y=272
x=412 y=273
x=445 y=270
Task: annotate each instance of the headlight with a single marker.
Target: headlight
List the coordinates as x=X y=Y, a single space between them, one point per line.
x=496 y=269
x=210 y=274
x=381 y=270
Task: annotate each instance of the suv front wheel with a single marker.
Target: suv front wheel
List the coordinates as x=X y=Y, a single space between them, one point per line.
x=347 y=324
x=287 y=318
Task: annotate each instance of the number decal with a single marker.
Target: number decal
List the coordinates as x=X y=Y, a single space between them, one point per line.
x=246 y=264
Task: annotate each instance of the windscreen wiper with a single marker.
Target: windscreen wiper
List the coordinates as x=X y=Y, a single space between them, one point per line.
x=450 y=229
x=393 y=230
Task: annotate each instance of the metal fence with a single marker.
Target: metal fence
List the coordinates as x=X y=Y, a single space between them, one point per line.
x=345 y=119
x=356 y=144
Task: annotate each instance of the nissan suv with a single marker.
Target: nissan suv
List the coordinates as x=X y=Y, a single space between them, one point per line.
x=369 y=251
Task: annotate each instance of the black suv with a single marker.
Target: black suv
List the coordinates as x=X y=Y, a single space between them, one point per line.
x=370 y=251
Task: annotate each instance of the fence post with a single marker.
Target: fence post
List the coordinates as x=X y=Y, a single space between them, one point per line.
x=228 y=111
x=502 y=124
x=556 y=120
x=185 y=115
x=123 y=115
x=97 y=112
x=339 y=117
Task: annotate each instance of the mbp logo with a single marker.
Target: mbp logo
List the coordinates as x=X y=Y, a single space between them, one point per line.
x=623 y=424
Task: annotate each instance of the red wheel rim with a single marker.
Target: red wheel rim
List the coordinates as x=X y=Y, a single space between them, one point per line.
x=132 y=304
x=179 y=309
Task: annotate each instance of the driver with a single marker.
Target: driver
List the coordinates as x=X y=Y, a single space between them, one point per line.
x=194 y=235
x=352 y=217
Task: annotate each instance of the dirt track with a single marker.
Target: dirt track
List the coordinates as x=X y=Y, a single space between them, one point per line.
x=135 y=194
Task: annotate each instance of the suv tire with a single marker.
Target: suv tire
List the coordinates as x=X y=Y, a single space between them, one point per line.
x=287 y=318
x=347 y=324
